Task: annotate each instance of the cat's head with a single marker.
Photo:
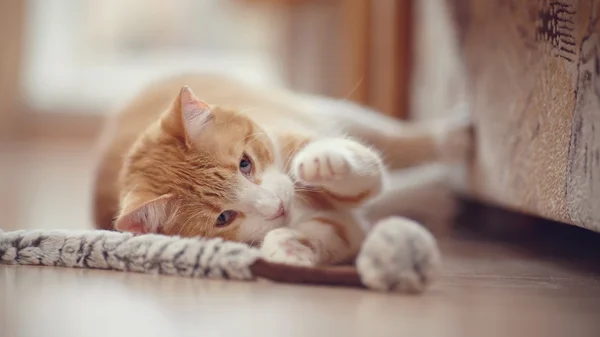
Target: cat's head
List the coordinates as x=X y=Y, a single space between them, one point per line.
x=204 y=170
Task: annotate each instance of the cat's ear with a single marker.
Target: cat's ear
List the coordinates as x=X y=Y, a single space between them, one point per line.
x=188 y=116
x=196 y=115
x=148 y=217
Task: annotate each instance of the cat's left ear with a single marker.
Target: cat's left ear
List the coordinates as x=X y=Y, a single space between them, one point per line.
x=196 y=115
x=188 y=117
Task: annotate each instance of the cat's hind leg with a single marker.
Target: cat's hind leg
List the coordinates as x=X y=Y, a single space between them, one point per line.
x=349 y=172
x=404 y=143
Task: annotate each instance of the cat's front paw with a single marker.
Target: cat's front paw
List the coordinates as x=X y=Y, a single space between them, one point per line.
x=455 y=139
x=343 y=167
x=321 y=162
x=284 y=245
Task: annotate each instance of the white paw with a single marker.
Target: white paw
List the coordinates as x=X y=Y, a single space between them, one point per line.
x=456 y=138
x=283 y=245
x=398 y=255
x=321 y=162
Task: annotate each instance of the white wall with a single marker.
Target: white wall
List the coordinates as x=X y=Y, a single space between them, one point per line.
x=78 y=54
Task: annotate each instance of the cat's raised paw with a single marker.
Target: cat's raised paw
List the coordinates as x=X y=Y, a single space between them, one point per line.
x=316 y=165
x=284 y=245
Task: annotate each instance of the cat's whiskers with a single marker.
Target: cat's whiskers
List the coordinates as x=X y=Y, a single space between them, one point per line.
x=253 y=242
x=249 y=139
x=235 y=116
x=301 y=197
x=299 y=192
x=289 y=157
x=354 y=89
x=247 y=109
x=254 y=136
x=189 y=222
x=185 y=225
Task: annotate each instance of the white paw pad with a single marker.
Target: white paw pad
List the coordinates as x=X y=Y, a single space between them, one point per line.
x=398 y=255
x=321 y=164
x=283 y=245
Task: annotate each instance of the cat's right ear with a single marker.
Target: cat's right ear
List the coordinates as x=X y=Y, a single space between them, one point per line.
x=148 y=217
x=188 y=116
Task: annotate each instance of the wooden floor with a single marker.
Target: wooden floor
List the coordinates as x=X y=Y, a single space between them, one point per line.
x=539 y=285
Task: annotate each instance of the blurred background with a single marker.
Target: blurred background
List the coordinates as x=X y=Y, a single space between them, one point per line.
x=66 y=64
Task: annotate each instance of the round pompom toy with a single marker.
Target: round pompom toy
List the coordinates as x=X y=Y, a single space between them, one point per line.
x=398 y=255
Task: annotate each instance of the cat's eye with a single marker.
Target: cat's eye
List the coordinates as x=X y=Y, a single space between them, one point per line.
x=246 y=165
x=226 y=218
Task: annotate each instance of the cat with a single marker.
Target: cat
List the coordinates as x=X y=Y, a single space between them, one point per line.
x=292 y=173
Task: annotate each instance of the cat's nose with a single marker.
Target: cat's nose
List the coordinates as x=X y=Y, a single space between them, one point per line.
x=280 y=212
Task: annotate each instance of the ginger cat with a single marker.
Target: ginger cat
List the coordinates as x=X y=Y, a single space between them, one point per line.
x=268 y=167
